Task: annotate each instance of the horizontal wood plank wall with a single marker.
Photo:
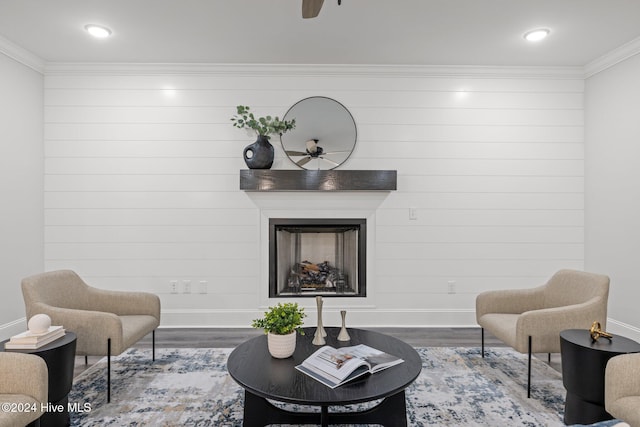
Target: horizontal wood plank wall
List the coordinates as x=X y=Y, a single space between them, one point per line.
x=141 y=184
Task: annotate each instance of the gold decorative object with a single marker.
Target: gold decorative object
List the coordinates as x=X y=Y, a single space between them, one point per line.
x=596 y=332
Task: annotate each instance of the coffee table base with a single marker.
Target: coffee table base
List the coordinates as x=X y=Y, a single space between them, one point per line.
x=391 y=412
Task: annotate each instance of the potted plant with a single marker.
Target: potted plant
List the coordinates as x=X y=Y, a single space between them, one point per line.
x=280 y=323
x=259 y=155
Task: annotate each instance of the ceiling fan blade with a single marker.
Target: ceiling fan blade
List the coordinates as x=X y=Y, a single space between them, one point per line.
x=304 y=161
x=297 y=153
x=330 y=161
x=311 y=8
x=336 y=152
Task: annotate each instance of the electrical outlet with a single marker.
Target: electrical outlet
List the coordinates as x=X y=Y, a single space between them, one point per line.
x=451 y=286
x=186 y=286
x=203 y=286
x=173 y=286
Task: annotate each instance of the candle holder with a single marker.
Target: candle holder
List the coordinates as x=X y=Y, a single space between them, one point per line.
x=343 y=335
x=318 y=338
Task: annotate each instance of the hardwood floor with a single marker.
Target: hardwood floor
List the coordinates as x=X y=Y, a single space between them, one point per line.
x=231 y=337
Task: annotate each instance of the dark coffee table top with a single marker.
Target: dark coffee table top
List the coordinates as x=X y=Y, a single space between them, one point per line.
x=251 y=366
x=582 y=338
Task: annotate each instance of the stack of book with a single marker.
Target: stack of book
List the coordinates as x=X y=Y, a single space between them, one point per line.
x=28 y=340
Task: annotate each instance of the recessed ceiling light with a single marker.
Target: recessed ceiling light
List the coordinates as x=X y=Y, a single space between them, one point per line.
x=98 y=31
x=536 y=35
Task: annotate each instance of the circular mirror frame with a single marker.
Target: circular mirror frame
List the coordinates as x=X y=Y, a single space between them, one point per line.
x=325 y=134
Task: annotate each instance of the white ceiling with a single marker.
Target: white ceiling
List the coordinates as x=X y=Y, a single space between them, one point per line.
x=420 y=32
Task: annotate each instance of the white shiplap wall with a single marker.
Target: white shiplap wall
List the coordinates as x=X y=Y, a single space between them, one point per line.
x=141 y=182
x=21 y=185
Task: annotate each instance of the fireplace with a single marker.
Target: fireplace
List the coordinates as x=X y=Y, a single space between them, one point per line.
x=310 y=257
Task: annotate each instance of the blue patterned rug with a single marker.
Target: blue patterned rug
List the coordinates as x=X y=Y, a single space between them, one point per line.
x=190 y=387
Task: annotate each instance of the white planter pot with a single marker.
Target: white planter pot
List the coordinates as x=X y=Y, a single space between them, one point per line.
x=281 y=346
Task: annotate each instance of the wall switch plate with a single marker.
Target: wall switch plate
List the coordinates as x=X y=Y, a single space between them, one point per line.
x=413 y=213
x=203 y=287
x=451 y=286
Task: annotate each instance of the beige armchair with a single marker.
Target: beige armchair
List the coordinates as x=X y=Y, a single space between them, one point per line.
x=622 y=388
x=530 y=320
x=106 y=322
x=24 y=382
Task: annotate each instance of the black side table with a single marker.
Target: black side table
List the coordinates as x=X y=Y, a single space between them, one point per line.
x=583 y=367
x=59 y=356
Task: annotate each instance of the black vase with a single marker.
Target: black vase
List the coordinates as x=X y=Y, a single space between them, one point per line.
x=259 y=155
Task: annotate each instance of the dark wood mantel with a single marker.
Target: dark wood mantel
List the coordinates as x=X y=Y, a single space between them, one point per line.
x=317 y=180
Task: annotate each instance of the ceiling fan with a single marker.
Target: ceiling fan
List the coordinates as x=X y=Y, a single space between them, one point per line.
x=311 y=8
x=313 y=151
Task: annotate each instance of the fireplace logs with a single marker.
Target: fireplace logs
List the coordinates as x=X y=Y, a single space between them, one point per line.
x=317 y=275
x=322 y=276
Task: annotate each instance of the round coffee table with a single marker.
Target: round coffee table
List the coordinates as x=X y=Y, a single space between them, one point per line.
x=583 y=367
x=264 y=377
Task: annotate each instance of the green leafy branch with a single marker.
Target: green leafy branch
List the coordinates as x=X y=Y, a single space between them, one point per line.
x=263 y=126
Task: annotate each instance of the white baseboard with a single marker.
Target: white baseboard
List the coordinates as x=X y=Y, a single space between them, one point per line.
x=13 y=328
x=620 y=328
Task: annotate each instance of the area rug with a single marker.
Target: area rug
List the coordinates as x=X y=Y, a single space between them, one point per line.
x=191 y=387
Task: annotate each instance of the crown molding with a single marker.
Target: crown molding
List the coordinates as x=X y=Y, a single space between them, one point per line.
x=314 y=70
x=612 y=58
x=21 y=55
x=596 y=66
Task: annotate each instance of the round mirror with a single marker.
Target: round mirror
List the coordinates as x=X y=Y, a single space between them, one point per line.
x=324 y=136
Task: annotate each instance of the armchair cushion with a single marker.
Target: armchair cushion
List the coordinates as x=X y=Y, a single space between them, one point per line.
x=622 y=388
x=503 y=326
x=24 y=381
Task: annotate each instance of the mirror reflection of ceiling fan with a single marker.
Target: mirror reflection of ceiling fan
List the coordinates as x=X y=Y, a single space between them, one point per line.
x=314 y=151
x=311 y=8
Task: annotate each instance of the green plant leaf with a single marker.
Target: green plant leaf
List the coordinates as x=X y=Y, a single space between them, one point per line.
x=264 y=126
x=281 y=319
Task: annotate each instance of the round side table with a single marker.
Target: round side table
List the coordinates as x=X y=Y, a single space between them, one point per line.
x=59 y=356
x=583 y=367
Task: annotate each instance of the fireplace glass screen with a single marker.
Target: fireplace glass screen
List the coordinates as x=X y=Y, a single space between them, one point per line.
x=309 y=257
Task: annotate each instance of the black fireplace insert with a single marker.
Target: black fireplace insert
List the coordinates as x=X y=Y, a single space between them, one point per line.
x=317 y=256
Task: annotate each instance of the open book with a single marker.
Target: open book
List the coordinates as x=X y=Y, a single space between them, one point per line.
x=336 y=366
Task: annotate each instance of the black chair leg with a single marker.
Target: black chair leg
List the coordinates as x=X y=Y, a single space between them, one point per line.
x=482 y=332
x=86 y=360
x=153 y=345
x=529 y=371
x=109 y=370
x=549 y=358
